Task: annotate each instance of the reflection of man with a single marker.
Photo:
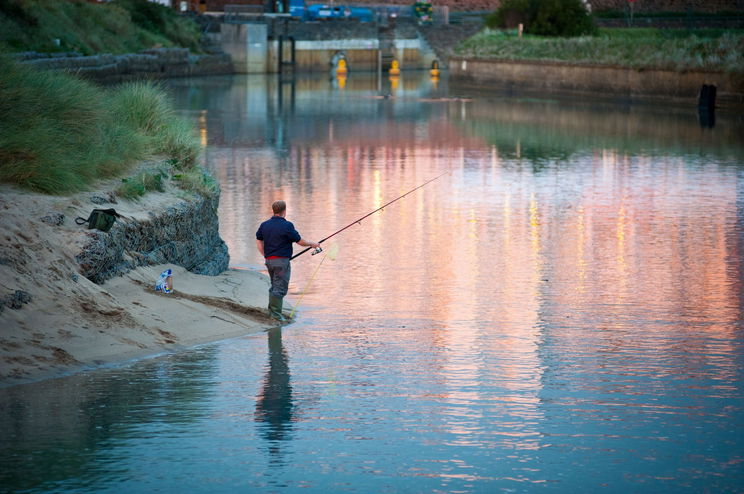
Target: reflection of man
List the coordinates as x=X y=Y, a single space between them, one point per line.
x=274 y=404
x=274 y=240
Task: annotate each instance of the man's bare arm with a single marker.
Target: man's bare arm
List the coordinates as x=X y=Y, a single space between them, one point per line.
x=308 y=243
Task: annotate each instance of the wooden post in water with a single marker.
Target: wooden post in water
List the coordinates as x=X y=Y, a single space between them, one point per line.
x=707 y=106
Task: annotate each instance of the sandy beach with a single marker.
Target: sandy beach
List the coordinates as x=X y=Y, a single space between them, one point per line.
x=55 y=321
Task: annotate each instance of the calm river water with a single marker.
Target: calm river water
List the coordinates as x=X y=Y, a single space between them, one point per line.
x=560 y=312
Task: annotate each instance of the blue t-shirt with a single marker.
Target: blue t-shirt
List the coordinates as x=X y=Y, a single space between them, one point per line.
x=278 y=235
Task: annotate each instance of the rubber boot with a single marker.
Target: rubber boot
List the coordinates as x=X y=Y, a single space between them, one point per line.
x=275 y=307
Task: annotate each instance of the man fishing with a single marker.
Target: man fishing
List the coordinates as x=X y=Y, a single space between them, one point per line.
x=274 y=240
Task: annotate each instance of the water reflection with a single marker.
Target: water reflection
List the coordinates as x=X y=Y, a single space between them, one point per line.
x=64 y=429
x=563 y=310
x=579 y=258
x=707 y=117
x=274 y=406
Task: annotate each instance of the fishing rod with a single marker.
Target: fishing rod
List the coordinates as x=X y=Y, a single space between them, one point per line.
x=359 y=221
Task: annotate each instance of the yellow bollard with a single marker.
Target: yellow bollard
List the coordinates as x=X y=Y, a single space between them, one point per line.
x=394 y=69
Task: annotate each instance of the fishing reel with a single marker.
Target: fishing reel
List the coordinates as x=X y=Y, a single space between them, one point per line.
x=317 y=250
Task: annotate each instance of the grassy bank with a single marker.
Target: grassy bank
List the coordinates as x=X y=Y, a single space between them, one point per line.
x=59 y=133
x=119 y=26
x=641 y=48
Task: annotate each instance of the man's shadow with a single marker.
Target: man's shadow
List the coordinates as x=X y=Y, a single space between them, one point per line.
x=274 y=405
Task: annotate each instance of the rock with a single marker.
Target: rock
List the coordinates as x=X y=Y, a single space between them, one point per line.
x=99 y=200
x=16 y=299
x=54 y=219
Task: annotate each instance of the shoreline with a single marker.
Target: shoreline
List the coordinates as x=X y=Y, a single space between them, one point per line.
x=56 y=322
x=573 y=78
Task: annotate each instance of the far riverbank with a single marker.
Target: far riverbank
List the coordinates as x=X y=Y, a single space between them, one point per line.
x=614 y=82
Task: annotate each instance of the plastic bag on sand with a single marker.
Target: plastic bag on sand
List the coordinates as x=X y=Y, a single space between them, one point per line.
x=165 y=283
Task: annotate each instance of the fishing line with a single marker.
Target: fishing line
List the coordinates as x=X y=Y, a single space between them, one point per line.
x=330 y=254
x=359 y=221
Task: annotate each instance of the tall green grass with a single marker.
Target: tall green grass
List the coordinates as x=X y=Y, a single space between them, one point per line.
x=641 y=48
x=59 y=133
x=144 y=107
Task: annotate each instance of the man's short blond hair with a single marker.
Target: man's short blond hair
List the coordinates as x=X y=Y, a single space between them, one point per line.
x=279 y=207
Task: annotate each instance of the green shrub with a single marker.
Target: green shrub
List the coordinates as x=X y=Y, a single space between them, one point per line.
x=161 y=20
x=142 y=183
x=130 y=189
x=510 y=14
x=14 y=10
x=123 y=26
x=544 y=17
x=562 y=18
x=197 y=180
x=147 y=15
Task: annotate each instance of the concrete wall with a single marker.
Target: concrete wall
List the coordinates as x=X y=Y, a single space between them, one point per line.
x=614 y=82
x=319 y=60
x=414 y=53
x=315 y=56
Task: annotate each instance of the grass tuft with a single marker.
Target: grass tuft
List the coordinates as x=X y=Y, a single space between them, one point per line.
x=144 y=106
x=59 y=133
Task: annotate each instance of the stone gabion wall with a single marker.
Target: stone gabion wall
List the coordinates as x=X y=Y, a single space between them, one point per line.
x=155 y=63
x=186 y=234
